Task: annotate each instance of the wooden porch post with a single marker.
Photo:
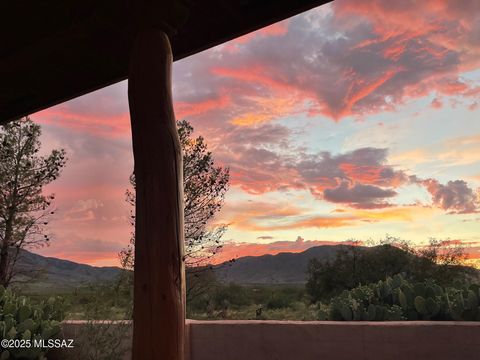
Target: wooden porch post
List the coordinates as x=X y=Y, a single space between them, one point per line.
x=159 y=298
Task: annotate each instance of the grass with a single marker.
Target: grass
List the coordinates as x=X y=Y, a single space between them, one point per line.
x=299 y=311
x=233 y=302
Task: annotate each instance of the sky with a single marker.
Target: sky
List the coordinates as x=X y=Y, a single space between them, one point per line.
x=353 y=120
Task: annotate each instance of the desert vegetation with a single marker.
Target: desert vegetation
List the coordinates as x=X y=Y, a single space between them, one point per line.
x=379 y=283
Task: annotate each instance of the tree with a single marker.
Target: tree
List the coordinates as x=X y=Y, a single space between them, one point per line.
x=205 y=186
x=24 y=209
x=357 y=265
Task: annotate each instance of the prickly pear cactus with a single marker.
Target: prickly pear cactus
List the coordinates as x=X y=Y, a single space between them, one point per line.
x=397 y=299
x=19 y=319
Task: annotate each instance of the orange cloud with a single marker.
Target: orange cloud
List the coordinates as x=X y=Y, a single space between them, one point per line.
x=242 y=214
x=187 y=109
x=94 y=124
x=318 y=222
x=261 y=216
x=406 y=213
x=395 y=52
x=286 y=223
x=267 y=109
x=358 y=90
x=436 y=103
x=280 y=97
x=253 y=74
x=365 y=174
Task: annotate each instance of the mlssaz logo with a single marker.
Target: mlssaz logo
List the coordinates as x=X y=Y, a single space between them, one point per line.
x=53 y=343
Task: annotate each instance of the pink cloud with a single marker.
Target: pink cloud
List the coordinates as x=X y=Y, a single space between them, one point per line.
x=188 y=109
x=106 y=126
x=361 y=58
x=436 y=103
x=100 y=113
x=265 y=217
x=455 y=197
x=358 y=58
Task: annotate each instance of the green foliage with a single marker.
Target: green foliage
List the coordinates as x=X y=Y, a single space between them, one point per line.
x=355 y=265
x=284 y=297
x=20 y=319
x=234 y=301
x=24 y=209
x=107 y=301
x=231 y=295
x=199 y=281
x=398 y=299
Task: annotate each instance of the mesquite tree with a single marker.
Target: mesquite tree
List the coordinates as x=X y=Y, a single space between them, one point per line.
x=205 y=186
x=24 y=209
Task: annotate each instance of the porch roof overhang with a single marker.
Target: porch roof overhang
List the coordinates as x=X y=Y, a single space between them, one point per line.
x=53 y=51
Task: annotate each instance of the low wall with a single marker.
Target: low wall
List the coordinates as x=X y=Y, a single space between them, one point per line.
x=305 y=340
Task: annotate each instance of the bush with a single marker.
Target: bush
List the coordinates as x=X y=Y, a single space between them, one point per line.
x=102 y=340
x=231 y=295
x=284 y=297
x=21 y=320
x=398 y=299
x=355 y=265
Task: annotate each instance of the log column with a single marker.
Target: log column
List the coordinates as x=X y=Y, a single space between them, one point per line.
x=159 y=296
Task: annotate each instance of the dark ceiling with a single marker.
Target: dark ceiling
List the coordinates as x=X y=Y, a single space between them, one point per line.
x=52 y=51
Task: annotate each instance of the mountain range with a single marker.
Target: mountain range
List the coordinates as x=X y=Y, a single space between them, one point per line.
x=53 y=273
x=282 y=268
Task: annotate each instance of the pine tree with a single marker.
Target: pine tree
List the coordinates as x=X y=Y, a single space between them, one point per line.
x=24 y=210
x=205 y=186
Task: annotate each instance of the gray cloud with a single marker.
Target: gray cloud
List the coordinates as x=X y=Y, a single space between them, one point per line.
x=359 y=195
x=456 y=196
x=364 y=165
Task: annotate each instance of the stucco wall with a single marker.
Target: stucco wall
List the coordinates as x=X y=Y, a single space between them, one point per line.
x=282 y=340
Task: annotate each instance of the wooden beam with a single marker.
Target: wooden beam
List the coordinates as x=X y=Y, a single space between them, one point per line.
x=159 y=300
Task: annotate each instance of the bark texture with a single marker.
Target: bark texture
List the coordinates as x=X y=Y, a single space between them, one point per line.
x=159 y=290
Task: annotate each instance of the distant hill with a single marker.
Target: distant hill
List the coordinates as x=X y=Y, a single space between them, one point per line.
x=283 y=268
x=52 y=273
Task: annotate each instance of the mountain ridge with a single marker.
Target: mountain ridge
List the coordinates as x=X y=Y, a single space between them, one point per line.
x=282 y=268
x=285 y=268
x=52 y=272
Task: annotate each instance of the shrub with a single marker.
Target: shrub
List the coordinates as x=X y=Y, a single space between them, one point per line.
x=102 y=340
x=21 y=320
x=231 y=295
x=355 y=265
x=398 y=299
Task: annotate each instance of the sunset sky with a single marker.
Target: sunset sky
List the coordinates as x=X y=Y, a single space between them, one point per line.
x=356 y=119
